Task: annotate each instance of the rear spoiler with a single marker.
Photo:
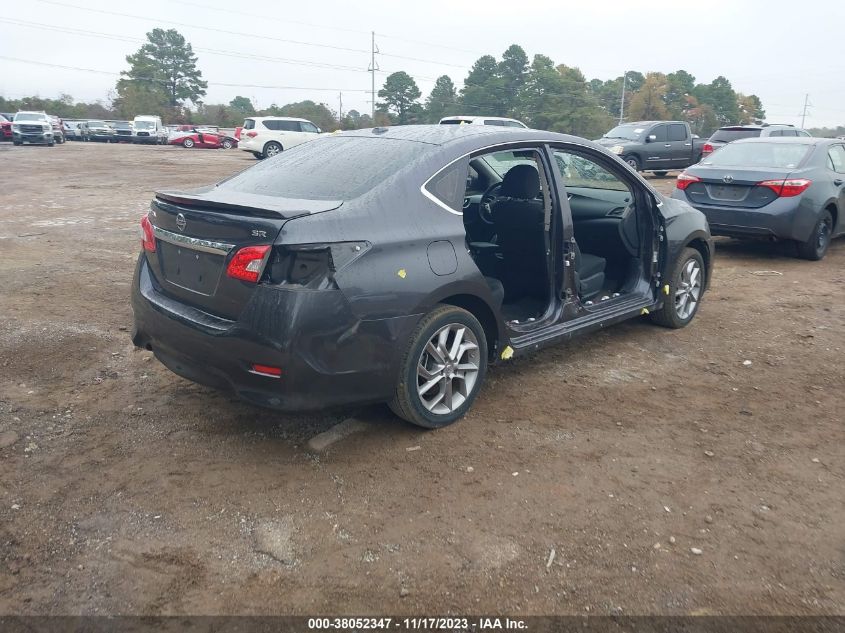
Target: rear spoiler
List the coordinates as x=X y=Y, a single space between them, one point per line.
x=250 y=203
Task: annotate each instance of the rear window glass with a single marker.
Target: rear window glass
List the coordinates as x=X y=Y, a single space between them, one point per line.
x=249 y=124
x=454 y=122
x=677 y=132
x=328 y=168
x=726 y=136
x=780 y=155
x=282 y=126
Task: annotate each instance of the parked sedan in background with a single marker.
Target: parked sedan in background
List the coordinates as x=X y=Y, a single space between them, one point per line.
x=58 y=129
x=203 y=138
x=5 y=128
x=790 y=188
x=729 y=133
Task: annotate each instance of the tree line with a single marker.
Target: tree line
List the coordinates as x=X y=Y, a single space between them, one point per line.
x=163 y=78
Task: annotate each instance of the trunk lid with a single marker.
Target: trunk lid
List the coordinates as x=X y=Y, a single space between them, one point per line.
x=734 y=187
x=198 y=232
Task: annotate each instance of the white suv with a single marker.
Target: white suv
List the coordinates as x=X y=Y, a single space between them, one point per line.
x=266 y=136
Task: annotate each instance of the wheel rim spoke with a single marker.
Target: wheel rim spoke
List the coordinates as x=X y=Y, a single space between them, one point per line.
x=447 y=369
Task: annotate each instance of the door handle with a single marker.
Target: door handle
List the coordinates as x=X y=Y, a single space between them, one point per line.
x=668 y=145
x=837 y=182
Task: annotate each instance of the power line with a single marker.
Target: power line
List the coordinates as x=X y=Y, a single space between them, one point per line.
x=211 y=83
x=203 y=28
x=212 y=51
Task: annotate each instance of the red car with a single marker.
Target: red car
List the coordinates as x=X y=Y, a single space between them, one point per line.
x=5 y=128
x=202 y=138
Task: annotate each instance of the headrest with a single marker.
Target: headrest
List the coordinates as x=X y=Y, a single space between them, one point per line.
x=521 y=181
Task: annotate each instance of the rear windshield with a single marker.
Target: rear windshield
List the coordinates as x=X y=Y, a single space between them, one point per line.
x=774 y=154
x=328 y=168
x=726 y=136
x=455 y=121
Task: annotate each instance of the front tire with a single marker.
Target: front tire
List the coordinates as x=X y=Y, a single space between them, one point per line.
x=686 y=287
x=258 y=155
x=816 y=245
x=442 y=369
x=227 y=144
x=271 y=149
x=661 y=174
x=633 y=162
x=188 y=143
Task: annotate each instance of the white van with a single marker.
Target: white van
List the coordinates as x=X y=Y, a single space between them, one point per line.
x=149 y=129
x=266 y=136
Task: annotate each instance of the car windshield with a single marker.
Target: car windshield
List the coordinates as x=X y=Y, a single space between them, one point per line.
x=30 y=116
x=96 y=124
x=123 y=125
x=774 y=154
x=144 y=125
x=626 y=132
x=328 y=168
x=726 y=136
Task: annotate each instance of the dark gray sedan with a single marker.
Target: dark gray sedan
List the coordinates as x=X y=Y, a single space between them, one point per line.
x=780 y=188
x=393 y=264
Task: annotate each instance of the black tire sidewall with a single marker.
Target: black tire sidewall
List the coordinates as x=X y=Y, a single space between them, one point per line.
x=636 y=167
x=422 y=416
x=810 y=250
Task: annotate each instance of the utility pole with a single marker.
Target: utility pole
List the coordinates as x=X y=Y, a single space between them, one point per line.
x=804 y=113
x=622 y=104
x=340 y=107
x=373 y=68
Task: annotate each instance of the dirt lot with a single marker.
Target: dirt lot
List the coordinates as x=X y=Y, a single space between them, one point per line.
x=125 y=489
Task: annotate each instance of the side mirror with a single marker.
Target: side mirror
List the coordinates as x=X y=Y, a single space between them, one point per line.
x=319 y=130
x=651 y=138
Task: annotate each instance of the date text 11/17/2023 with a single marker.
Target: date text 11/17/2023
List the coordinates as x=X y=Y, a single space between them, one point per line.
x=453 y=624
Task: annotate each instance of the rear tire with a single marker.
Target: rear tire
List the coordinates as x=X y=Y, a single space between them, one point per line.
x=686 y=289
x=661 y=174
x=258 y=155
x=436 y=387
x=816 y=245
x=633 y=162
x=271 y=149
x=188 y=142
x=227 y=143
x=16 y=143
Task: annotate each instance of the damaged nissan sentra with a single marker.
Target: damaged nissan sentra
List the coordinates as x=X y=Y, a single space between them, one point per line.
x=395 y=264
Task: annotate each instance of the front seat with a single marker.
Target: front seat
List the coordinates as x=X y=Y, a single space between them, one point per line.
x=520 y=232
x=589 y=274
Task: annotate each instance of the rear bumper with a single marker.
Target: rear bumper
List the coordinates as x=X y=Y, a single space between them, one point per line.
x=784 y=219
x=328 y=356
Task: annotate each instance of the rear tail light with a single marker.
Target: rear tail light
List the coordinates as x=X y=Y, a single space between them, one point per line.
x=252 y=134
x=685 y=180
x=788 y=188
x=248 y=262
x=148 y=240
x=312 y=265
x=707 y=149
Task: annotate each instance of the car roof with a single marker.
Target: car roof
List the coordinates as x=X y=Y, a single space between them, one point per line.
x=475 y=117
x=795 y=140
x=448 y=134
x=277 y=118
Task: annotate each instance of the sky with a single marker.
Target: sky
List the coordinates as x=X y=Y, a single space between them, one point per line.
x=280 y=52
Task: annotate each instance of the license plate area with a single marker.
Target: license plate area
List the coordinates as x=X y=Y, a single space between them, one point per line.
x=728 y=193
x=191 y=269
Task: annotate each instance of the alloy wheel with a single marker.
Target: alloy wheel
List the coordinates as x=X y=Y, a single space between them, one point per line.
x=447 y=370
x=688 y=292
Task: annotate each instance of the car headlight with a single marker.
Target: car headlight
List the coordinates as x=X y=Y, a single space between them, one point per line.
x=617 y=149
x=16 y=127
